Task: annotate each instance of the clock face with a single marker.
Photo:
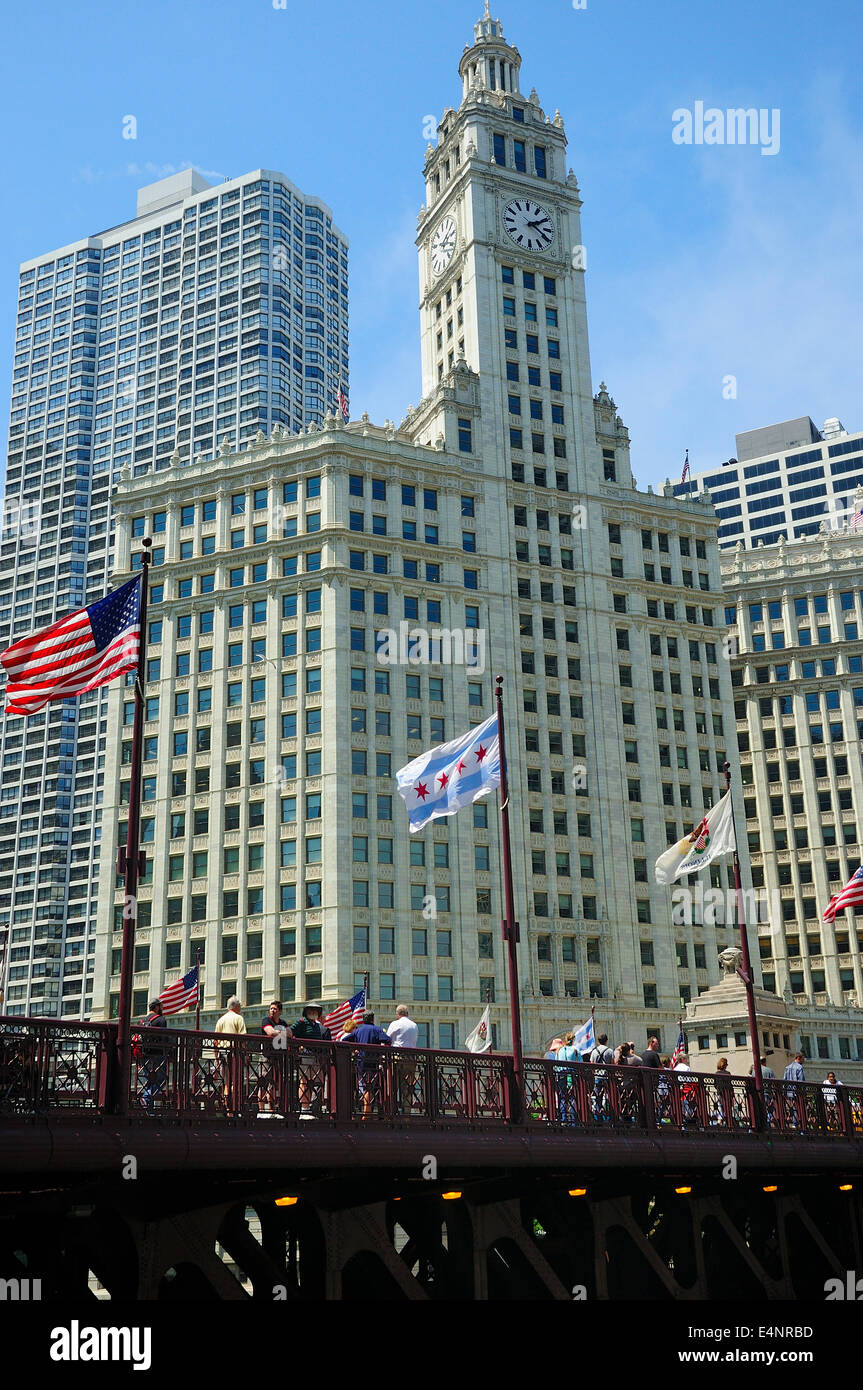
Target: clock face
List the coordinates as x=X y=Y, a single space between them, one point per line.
x=528 y=223
x=443 y=245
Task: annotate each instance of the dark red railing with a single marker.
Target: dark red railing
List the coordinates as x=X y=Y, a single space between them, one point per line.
x=49 y=1068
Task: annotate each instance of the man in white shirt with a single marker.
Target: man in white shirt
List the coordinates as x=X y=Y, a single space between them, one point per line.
x=404 y=1034
x=403 y=1030
x=227 y=1058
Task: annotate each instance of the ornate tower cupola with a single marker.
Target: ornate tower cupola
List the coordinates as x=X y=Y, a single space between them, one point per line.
x=491 y=62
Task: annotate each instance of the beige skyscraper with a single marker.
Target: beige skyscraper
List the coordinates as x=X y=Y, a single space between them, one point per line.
x=293 y=665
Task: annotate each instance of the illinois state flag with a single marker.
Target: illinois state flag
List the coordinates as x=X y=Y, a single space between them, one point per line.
x=712 y=837
x=440 y=782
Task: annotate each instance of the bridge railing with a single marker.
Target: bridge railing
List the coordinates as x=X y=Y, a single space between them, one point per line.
x=190 y=1074
x=54 y=1068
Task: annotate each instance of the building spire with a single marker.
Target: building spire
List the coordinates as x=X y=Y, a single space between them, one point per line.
x=490 y=62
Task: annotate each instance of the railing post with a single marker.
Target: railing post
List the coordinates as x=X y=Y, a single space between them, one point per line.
x=844 y=1109
x=432 y=1097
x=646 y=1081
x=470 y=1087
x=515 y=1092
x=341 y=1072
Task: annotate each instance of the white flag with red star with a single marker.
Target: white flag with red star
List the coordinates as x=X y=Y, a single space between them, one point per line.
x=440 y=782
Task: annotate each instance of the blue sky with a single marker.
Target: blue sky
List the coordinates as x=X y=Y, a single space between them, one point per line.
x=704 y=262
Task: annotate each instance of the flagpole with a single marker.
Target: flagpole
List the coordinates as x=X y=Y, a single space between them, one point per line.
x=4 y=962
x=509 y=925
x=198 y=999
x=129 y=863
x=488 y=1006
x=746 y=973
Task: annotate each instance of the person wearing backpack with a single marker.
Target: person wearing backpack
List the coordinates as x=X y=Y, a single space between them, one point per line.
x=154 y=1064
x=601 y=1056
x=601 y=1053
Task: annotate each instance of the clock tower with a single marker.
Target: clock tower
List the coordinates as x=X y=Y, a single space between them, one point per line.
x=501 y=272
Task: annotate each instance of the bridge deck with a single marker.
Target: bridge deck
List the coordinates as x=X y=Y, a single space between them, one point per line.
x=201 y=1102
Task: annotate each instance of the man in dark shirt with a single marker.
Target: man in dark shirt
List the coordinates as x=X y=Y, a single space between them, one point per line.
x=276 y=1032
x=154 y=1067
x=309 y=1025
x=368 y=1063
x=650 y=1056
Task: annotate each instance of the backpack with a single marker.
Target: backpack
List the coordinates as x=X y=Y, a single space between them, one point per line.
x=138 y=1042
x=601 y=1054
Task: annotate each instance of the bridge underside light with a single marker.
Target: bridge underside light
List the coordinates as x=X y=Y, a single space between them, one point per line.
x=450 y=1196
x=771 y=1188
x=682 y=1191
x=578 y=1192
x=846 y=1187
x=286 y=1201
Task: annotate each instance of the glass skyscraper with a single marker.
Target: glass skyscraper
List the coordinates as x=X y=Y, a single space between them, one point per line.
x=215 y=314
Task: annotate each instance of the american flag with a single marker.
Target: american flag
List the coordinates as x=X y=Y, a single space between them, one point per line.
x=679 y=1050
x=851 y=896
x=181 y=995
x=685 y=474
x=85 y=649
x=343 y=402
x=352 y=1008
x=856 y=520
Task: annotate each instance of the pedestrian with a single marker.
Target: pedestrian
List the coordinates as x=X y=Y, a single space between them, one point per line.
x=794 y=1071
x=368 y=1063
x=650 y=1056
x=553 y=1047
x=663 y=1093
x=689 y=1091
x=602 y=1053
x=767 y=1072
x=830 y=1091
x=154 y=1067
x=567 y=1052
x=601 y=1057
x=629 y=1093
x=722 y=1107
x=276 y=1033
x=309 y=1026
x=404 y=1035
x=232 y=1024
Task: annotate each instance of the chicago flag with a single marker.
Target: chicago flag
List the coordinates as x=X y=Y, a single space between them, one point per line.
x=440 y=782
